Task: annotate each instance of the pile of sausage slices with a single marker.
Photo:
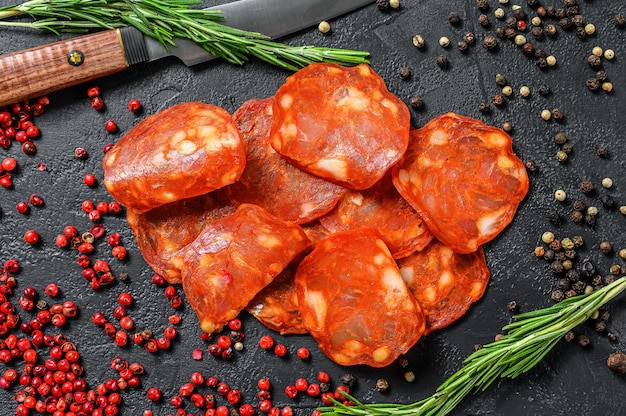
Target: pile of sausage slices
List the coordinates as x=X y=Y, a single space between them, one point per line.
x=320 y=210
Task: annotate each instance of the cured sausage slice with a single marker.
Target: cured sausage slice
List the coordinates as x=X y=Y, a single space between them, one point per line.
x=340 y=123
x=444 y=283
x=463 y=178
x=233 y=259
x=186 y=150
x=381 y=207
x=354 y=302
x=163 y=233
x=269 y=180
x=276 y=306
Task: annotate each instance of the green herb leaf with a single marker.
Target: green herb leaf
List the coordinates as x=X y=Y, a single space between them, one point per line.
x=528 y=340
x=167 y=20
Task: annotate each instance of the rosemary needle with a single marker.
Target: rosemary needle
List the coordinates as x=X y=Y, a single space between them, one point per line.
x=166 y=20
x=529 y=338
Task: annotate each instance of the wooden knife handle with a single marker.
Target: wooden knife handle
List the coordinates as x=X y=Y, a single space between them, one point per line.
x=38 y=71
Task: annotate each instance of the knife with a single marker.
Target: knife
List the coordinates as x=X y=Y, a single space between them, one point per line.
x=44 y=69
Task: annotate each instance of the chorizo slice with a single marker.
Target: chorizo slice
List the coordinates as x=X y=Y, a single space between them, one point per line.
x=445 y=283
x=186 y=150
x=463 y=178
x=354 y=302
x=233 y=259
x=340 y=123
x=276 y=305
x=381 y=207
x=268 y=180
x=163 y=233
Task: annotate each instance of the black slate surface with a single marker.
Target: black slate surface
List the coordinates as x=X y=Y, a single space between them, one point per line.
x=570 y=380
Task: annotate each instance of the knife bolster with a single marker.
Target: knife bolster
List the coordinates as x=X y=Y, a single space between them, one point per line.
x=134 y=46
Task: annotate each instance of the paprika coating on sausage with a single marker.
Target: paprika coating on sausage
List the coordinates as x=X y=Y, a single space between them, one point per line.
x=235 y=257
x=340 y=123
x=269 y=180
x=463 y=178
x=444 y=283
x=354 y=302
x=186 y=150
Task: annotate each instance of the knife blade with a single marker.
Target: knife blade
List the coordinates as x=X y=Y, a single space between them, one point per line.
x=44 y=69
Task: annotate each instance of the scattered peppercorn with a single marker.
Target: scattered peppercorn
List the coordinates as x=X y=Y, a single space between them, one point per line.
x=454 y=18
x=586 y=186
x=442 y=61
x=617 y=362
x=544 y=90
x=404 y=72
x=416 y=102
x=490 y=42
x=382 y=385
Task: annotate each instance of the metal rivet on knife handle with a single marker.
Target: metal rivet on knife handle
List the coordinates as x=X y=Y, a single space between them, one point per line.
x=41 y=70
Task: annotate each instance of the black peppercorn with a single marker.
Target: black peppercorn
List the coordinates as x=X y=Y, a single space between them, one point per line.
x=442 y=61
x=586 y=186
x=553 y=216
x=576 y=216
x=607 y=201
x=484 y=108
x=569 y=3
x=557 y=114
x=555 y=245
x=531 y=165
x=579 y=287
x=557 y=295
x=596 y=280
x=490 y=42
x=483 y=20
x=559 y=256
x=324 y=387
x=508 y=127
x=528 y=49
x=580 y=32
x=611 y=336
x=617 y=362
x=416 y=102
x=573 y=10
x=548 y=255
x=537 y=32
x=511 y=22
x=404 y=72
x=579 y=204
x=498 y=99
x=556 y=267
x=563 y=284
x=519 y=13
x=454 y=18
x=569 y=336
x=590 y=220
x=560 y=138
x=559 y=13
x=512 y=306
x=587 y=269
x=583 y=340
x=602 y=151
x=462 y=45
x=578 y=20
x=570 y=293
x=594 y=61
x=482 y=5
x=532 y=3
x=500 y=32
x=567 y=147
x=383 y=4
x=565 y=23
x=541 y=11
x=550 y=29
x=602 y=76
x=573 y=275
x=382 y=384
x=540 y=53
x=541 y=63
x=593 y=84
x=570 y=254
x=578 y=241
x=510 y=33
x=550 y=11
x=619 y=20
x=348 y=379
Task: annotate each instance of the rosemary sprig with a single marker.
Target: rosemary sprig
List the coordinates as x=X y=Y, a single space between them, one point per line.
x=166 y=20
x=529 y=338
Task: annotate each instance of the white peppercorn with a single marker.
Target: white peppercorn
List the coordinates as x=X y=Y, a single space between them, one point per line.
x=597 y=51
x=560 y=195
x=607 y=183
x=444 y=42
x=592 y=210
x=418 y=41
x=607 y=86
x=536 y=21
x=547 y=237
x=324 y=27
x=524 y=91
x=507 y=90
x=519 y=40
x=590 y=29
x=622 y=209
x=499 y=13
x=609 y=54
x=551 y=60
x=546 y=115
x=394 y=4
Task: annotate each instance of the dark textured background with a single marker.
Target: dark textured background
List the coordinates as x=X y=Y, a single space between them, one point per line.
x=571 y=380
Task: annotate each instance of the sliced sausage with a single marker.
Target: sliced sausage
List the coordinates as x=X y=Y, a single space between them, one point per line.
x=381 y=207
x=276 y=306
x=186 y=150
x=340 y=123
x=354 y=302
x=164 y=232
x=269 y=180
x=233 y=259
x=463 y=178
x=445 y=283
